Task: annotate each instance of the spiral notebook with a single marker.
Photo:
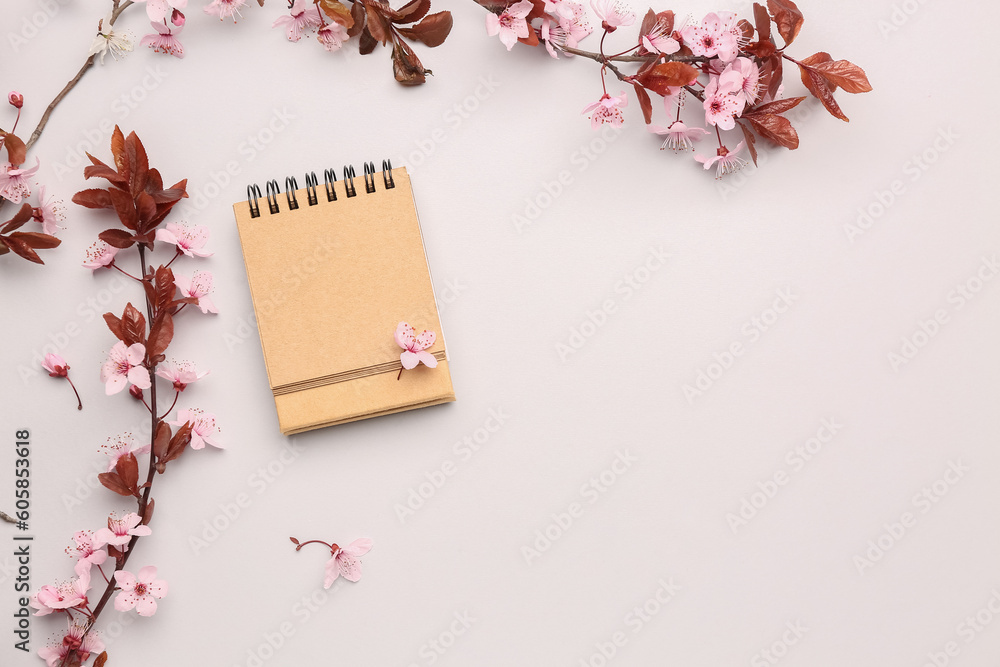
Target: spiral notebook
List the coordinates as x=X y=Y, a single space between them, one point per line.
x=333 y=269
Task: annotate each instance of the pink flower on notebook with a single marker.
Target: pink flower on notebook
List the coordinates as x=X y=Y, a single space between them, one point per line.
x=414 y=347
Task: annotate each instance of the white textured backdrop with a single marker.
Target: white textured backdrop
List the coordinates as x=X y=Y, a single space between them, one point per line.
x=605 y=506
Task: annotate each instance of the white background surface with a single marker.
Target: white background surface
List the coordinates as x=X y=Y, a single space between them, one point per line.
x=519 y=295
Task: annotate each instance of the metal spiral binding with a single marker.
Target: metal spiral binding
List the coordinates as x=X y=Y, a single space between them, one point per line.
x=387 y=174
x=311 y=184
x=291 y=185
x=253 y=193
x=369 y=177
x=272 y=188
x=349 y=181
x=272 y=196
x=330 y=179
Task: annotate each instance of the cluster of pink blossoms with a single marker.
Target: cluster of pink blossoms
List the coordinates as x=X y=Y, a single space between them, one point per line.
x=91 y=550
x=16 y=182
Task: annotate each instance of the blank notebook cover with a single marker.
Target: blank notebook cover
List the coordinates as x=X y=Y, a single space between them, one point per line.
x=333 y=269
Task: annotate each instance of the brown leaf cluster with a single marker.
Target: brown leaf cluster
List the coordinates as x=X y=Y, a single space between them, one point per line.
x=24 y=244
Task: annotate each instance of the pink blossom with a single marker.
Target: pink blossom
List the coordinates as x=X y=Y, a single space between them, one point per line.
x=49 y=211
x=679 y=137
x=198 y=286
x=189 y=240
x=660 y=40
x=177 y=18
x=225 y=9
x=720 y=107
x=76 y=639
x=203 y=427
x=742 y=76
x=566 y=31
x=614 y=14
x=716 y=35
x=15 y=99
x=67 y=595
x=181 y=373
x=415 y=347
x=728 y=162
x=562 y=8
x=140 y=592
x=120 y=531
x=511 y=24
x=302 y=17
x=119 y=446
x=87 y=550
x=345 y=561
x=14 y=182
x=99 y=255
x=332 y=36
x=159 y=10
x=607 y=110
x=164 y=40
x=55 y=365
x=124 y=365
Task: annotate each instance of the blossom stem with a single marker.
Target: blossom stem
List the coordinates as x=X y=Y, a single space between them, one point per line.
x=719 y=135
x=15 y=121
x=101 y=570
x=604 y=66
x=173 y=259
x=400 y=373
x=634 y=59
x=79 y=403
x=328 y=546
x=176 y=396
x=115 y=266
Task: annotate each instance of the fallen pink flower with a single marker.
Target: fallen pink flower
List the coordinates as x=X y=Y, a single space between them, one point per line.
x=414 y=347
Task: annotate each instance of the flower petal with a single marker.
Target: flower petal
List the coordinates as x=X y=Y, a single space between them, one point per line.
x=409 y=360
x=358 y=547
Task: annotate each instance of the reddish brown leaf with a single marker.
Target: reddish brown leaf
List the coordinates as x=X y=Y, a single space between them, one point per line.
x=115 y=325
x=819 y=87
x=180 y=440
x=162 y=439
x=644 y=103
x=112 y=481
x=406 y=67
x=787 y=18
x=17 y=152
x=337 y=11
x=95 y=198
x=22 y=216
x=778 y=106
x=133 y=326
x=100 y=170
x=367 y=43
x=146 y=209
x=118 y=151
x=101 y=660
x=127 y=468
x=763 y=21
x=845 y=74
x=138 y=162
x=531 y=39
x=22 y=249
x=358 y=14
x=763 y=49
x=125 y=208
x=751 y=141
x=413 y=11
x=432 y=31
x=165 y=288
x=816 y=59
x=662 y=77
x=378 y=25
x=36 y=240
x=147 y=514
x=775 y=74
x=117 y=238
x=160 y=334
x=648 y=21
x=776 y=128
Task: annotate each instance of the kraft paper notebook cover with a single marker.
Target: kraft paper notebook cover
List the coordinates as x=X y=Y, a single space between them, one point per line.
x=333 y=269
